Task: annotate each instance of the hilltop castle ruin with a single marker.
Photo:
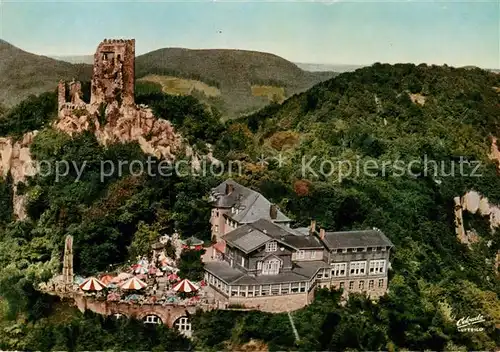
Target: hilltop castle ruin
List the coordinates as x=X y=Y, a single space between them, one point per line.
x=113 y=76
x=112 y=113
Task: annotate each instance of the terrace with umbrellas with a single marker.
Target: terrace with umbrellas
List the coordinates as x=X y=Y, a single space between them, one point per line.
x=147 y=281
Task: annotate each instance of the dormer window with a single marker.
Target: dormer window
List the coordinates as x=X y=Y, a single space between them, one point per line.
x=271 y=246
x=271 y=267
x=232 y=209
x=354 y=250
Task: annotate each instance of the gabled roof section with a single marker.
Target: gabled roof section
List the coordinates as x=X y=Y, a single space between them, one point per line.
x=251 y=205
x=252 y=236
x=246 y=238
x=294 y=237
x=356 y=239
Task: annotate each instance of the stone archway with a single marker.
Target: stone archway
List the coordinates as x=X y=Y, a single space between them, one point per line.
x=152 y=319
x=148 y=317
x=183 y=325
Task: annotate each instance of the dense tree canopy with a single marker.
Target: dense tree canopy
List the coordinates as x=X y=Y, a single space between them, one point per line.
x=378 y=115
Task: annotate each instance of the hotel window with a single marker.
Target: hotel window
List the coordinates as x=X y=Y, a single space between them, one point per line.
x=357 y=268
x=339 y=269
x=217 y=213
x=275 y=290
x=271 y=267
x=242 y=261
x=377 y=267
x=301 y=254
x=284 y=289
x=370 y=284
x=259 y=265
x=351 y=285
x=354 y=250
x=295 y=287
x=341 y=284
x=361 y=285
x=381 y=283
x=344 y=250
x=313 y=254
x=302 y=286
x=271 y=246
x=232 y=209
x=384 y=249
x=216 y=228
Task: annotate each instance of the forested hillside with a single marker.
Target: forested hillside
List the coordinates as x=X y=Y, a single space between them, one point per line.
x=383 y=114
x=379 y=114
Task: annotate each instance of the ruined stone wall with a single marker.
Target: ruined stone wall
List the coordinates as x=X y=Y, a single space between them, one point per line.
x=114 y=72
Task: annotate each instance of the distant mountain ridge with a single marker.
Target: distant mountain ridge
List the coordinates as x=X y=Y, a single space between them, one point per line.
x=246 y=79
x=312 y=67
x=23 y=73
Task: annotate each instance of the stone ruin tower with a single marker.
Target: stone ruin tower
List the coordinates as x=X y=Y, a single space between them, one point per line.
x=113 y=78
x=114 y=72
x=68 y=261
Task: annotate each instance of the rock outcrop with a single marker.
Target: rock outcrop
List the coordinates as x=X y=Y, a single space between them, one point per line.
x=16 y=160
x=125 y=123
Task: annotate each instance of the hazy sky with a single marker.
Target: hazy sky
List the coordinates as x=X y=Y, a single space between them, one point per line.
x=345 y=32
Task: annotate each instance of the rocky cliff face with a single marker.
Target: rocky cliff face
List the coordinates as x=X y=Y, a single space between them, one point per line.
x=475 y=203
x=126 y=123
x=16 y=159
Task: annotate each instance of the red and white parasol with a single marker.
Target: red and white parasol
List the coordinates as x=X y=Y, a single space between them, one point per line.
x=106 y=279
x=185 y=286
x=172 y=277
x=142 y=270
x=133 y=284
x=92 y=284
x=121 y=277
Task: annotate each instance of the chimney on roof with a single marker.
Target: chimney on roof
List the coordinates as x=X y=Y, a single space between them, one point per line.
x=322 y=234
x=229 y=189
x=312 y=228
x=273 y=212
